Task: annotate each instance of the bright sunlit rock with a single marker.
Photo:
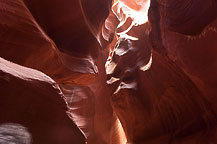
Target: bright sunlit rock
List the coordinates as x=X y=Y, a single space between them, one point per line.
x=137 y=10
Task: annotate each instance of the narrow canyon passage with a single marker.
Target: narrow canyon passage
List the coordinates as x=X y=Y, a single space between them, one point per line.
x=108 y=72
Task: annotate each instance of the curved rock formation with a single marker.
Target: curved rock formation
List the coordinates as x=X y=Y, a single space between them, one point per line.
x=32 y=99
x=14 y=133
x=70 y=60
x=131 y=70
x=25 y=43
x=160 y=88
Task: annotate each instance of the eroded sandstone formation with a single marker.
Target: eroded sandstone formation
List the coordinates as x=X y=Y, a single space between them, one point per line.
x=124 y=71
x=160 y=79
x=34 y=100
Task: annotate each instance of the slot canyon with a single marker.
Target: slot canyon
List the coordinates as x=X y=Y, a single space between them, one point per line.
x=108 y=71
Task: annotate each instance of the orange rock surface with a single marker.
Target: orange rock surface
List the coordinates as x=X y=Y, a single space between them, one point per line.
x=123 y=71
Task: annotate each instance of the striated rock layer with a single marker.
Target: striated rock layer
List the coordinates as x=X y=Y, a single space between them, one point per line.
x=34 y=100
x=134 y=71
x=163 y=82
x=72 y=58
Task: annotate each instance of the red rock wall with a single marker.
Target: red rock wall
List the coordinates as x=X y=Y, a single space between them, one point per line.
x=158 y=78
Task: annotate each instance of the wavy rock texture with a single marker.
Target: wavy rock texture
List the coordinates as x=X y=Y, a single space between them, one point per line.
x=70 y=58
x=187 y=17
x=125 y=79
x=25 y=43
x=34 y=100
x=14 y=133
x=163 y=84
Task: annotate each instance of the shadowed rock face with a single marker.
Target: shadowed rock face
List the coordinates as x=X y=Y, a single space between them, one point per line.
x=159 y=79
x=66 y=23
x=187 y=17
x=70 y=58
x=32 y=99
x=160 y=82
x=25 y=43
x=59 y=19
